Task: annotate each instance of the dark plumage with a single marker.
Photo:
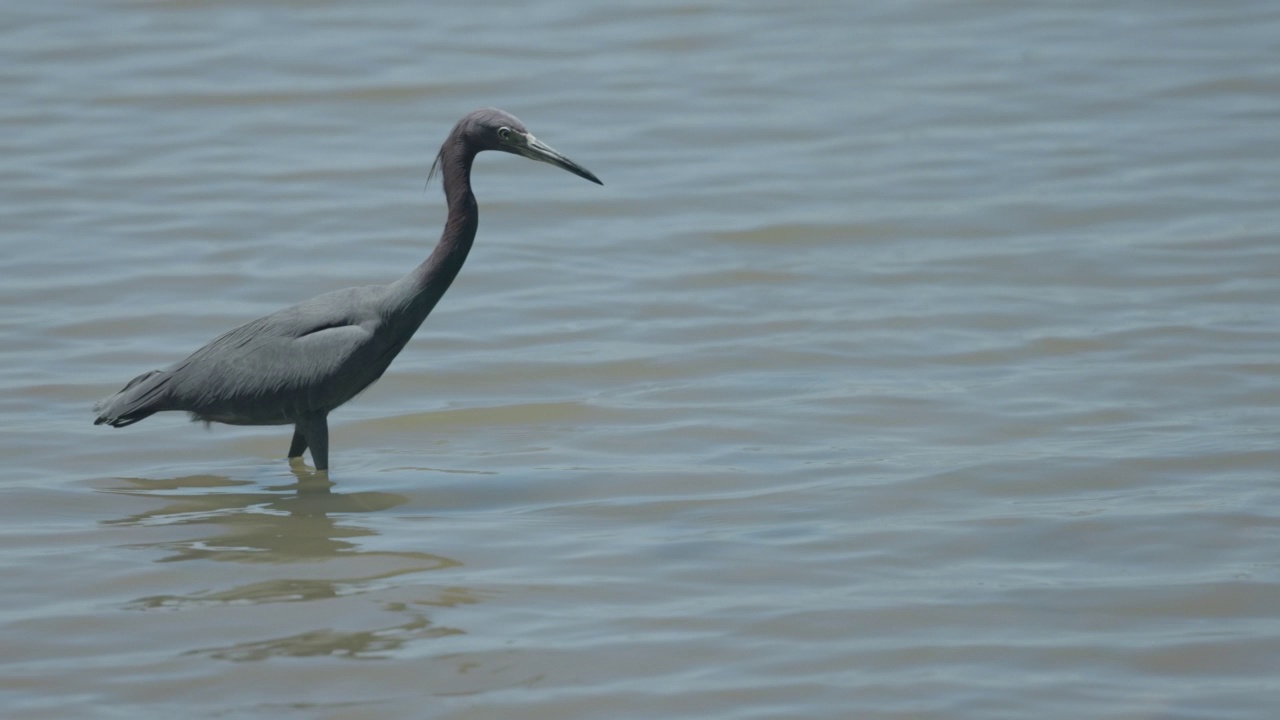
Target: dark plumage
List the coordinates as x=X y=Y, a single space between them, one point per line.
x=297 y=364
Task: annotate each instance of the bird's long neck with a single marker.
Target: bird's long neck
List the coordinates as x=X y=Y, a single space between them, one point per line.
x=420 y=290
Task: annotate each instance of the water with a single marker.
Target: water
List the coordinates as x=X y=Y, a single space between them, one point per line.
x=915 y=360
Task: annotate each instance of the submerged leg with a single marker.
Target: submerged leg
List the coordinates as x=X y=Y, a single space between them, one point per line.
x=299 y=444
x=315 y=434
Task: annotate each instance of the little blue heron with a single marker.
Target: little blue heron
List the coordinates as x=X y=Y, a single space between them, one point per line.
x=296 y=365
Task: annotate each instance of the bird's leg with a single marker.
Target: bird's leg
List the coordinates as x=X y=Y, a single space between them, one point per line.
x=299 y=444
x=315 y=434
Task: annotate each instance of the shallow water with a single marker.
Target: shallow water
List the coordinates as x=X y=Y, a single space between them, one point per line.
x=915 y=360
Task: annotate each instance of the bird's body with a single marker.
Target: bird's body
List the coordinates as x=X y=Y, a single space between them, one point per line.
x=311 y=357
x=296 y=365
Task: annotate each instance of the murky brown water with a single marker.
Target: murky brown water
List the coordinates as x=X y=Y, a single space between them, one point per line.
x=916 y=360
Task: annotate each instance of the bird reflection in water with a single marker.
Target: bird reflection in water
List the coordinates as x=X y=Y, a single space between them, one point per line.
x=275 y=523
x=295 y=543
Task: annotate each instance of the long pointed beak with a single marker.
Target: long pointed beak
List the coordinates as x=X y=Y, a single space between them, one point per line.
x=535 y=149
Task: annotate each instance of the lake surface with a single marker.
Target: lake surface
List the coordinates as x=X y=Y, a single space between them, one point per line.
x=916 y=360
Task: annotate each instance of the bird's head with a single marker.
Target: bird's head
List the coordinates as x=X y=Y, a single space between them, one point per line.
x=494 y=129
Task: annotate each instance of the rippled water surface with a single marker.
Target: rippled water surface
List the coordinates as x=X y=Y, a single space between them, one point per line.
x=916 y=359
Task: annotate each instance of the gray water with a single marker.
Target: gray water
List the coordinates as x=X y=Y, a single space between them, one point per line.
x=916 y=360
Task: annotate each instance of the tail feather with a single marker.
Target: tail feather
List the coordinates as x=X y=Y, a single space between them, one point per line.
x=136 y=401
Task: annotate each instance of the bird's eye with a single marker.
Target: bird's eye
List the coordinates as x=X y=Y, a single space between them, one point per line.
x=504 y=134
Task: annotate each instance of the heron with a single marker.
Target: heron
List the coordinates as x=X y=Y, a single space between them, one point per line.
x=296 y=365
